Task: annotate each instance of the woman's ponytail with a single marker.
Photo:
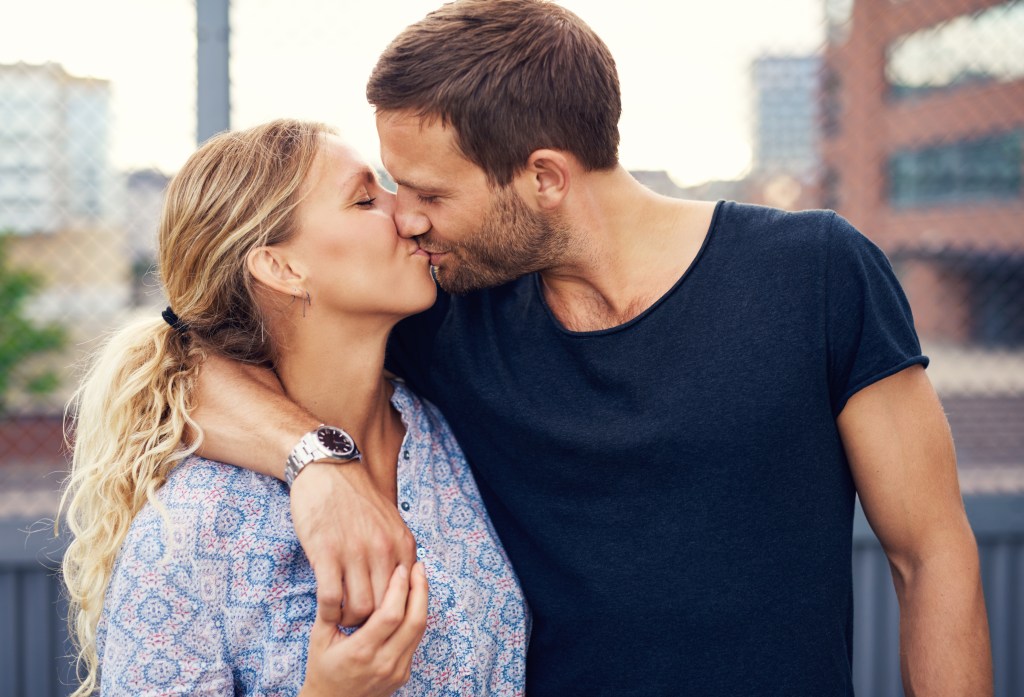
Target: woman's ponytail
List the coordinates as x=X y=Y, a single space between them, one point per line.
x=130 y=419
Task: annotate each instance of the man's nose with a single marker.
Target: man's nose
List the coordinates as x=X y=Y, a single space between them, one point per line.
x=410 y=222
x=386 y=202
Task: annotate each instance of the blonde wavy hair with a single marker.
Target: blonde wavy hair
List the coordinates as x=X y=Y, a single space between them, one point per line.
x=131 y=420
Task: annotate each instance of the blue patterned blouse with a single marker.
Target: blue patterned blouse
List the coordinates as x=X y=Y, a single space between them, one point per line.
x=222 y=603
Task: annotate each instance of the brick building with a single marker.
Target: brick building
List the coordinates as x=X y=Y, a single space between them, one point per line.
x=923 y=129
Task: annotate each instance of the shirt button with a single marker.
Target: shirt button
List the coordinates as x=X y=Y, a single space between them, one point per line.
x=420 y=552
x=405 y=454
x=405 y=505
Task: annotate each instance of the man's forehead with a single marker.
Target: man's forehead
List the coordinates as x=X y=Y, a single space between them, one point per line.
x=410 y=119
x=406 y=132
x=419 y=148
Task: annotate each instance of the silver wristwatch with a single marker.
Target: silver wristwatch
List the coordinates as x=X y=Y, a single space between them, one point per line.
x=324 y=443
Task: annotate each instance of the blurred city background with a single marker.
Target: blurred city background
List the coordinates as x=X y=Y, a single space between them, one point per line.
x=906 y=116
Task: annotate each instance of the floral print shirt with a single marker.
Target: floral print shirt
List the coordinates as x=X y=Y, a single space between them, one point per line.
x=221 y=601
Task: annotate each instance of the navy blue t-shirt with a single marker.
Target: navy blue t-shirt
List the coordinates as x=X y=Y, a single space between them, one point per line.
x=673 y=492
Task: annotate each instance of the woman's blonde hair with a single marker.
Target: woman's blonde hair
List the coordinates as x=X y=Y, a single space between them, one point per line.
x=131 y=425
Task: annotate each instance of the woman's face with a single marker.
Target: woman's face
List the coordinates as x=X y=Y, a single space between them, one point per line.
x=346 y=241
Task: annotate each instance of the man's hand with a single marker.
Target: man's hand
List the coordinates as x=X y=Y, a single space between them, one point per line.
x=353 y=536
x=376 y=660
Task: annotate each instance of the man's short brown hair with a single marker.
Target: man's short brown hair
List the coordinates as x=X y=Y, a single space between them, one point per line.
x=511 y=76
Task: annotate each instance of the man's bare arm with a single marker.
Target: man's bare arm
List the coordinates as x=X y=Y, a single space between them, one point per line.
x=246 y=418
x=353 y=536
x=901 y=455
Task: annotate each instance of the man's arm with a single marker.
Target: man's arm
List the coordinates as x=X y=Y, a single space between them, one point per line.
x=353 y=536
x=901 y=455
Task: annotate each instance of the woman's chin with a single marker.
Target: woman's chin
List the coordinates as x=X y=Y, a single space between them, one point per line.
x=429 y=297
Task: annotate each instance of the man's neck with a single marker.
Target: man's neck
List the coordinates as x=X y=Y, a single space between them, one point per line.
x=632 y=246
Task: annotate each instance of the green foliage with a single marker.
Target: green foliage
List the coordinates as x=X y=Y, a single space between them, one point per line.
x=21 y=339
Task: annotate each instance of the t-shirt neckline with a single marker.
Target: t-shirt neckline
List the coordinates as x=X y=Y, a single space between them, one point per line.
x=539 y=291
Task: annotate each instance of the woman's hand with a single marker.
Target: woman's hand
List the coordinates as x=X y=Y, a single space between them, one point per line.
x=376 y=659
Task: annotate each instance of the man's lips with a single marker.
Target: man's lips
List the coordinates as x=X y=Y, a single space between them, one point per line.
x=434 y=256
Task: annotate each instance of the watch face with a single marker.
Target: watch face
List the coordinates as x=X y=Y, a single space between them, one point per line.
x=336 y=441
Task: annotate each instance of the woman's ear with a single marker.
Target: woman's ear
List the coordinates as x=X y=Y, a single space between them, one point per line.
x=271 y=267
x=546 y=178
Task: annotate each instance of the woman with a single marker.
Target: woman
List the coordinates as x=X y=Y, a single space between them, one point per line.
x=277 y=246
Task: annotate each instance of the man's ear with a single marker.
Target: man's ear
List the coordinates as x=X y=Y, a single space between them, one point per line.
x=546 y=178
x=271 y=267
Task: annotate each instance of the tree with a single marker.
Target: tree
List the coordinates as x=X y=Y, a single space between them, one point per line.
x=21 y=339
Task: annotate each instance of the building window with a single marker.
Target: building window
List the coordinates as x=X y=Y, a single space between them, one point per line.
x=996 y=284
x=985 y=46
x=831 y=102
x=830 y=183
x=838 y=18
x=969 y=170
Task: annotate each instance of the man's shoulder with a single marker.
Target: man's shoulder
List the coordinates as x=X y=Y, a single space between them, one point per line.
x=754 y=236
x=774 y=225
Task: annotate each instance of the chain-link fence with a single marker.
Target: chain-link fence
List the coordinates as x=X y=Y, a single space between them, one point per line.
x=93 y=118
x=906 y=117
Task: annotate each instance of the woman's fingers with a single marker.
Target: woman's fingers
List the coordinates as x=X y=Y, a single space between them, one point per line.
x=407 y=637
x=376 y=659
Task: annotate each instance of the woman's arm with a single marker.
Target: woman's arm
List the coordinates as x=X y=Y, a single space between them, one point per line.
x=159 y=631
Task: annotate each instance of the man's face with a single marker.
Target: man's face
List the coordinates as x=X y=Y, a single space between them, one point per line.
x=477 y=236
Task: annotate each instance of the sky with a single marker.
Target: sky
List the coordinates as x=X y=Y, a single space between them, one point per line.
x=683 y=67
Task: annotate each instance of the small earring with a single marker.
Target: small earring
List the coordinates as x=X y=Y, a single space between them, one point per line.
x=306 y=301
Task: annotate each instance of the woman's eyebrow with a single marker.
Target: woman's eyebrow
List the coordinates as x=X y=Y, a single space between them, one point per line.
x=364 y=176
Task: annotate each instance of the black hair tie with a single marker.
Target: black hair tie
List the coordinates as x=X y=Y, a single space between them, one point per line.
x=173 y=320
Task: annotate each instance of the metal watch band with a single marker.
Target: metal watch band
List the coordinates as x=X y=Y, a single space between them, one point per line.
x=308 y=450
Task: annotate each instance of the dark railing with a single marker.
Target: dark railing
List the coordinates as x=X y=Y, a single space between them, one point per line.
x=34 y=645
x=998 y=524
x=34 y=648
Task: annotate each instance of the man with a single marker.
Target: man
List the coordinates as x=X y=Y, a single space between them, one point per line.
x=668 y=405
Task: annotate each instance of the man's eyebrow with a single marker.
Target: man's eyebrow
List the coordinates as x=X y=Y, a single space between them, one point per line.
x=415 y=186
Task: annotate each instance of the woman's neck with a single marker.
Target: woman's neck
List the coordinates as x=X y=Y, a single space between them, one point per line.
x=334 y=370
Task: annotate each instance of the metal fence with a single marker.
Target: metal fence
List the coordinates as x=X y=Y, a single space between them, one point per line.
x=34 y=648
x=906 y=117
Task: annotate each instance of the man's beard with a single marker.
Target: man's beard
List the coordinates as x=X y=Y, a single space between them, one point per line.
x=513 y=241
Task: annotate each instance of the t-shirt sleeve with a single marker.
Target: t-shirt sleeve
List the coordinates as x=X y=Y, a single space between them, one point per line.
x=870 y=327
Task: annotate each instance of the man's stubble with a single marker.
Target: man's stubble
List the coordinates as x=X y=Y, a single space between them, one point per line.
x=512 y=241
